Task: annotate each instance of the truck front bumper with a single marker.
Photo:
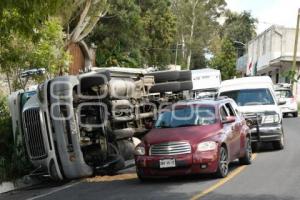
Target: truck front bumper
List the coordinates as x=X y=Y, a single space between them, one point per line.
x=266 y=133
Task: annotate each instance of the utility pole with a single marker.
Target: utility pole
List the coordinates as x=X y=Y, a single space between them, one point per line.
x=294 y=65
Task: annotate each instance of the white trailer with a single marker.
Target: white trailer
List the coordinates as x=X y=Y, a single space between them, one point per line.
x=206 y=82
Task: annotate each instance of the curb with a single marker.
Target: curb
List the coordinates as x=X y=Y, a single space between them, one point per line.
x=18 y=184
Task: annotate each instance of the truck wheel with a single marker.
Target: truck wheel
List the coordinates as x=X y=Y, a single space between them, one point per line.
x=126 y=149
x=223 y=164
x=185 y=75
x=86 y=82
x=279 y=145
x=295 y=114
x=246 y=160
x=164 y=76
x=186 y=85
x=123 y=133
x=165 y=87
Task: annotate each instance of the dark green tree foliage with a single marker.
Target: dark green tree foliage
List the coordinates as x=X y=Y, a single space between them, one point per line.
x=225 y=60
x=239 y=27
x=27 y=14
x=134 y=33
x=119 y=35
x=196 y=23
x=160 y=29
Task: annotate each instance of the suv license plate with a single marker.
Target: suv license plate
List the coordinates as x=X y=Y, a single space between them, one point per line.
x=167 y=163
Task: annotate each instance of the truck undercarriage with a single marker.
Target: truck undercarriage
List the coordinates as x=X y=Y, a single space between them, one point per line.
x=77 y=126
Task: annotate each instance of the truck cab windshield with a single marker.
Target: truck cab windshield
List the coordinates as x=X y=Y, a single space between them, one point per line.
x=187 y=116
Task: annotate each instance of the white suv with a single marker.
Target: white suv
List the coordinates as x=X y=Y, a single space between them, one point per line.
x=256 y=100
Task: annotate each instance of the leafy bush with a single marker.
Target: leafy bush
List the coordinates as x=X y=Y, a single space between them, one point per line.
x=13 y=158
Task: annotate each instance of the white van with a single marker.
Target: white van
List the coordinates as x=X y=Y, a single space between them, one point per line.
x=256 y=100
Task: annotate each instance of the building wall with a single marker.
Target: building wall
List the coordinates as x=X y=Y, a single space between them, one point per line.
x=269 y=49
x=78 y=60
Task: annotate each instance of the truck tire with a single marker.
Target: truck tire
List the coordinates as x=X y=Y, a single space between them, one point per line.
x=86 y=82
x=186 y=85
x=125 y=133
x=165 y=87
x=279 y=145
x=185 y=75
x=295 y=114
x=164 y=76
x=126 y=149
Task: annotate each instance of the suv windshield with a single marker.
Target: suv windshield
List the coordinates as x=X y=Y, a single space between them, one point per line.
x=186 y=116
x=283 y=94
x=250 y=97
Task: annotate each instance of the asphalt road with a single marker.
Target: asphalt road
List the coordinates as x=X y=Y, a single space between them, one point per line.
x=273 y=175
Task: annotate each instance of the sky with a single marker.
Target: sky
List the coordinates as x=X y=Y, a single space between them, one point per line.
x=268 y=12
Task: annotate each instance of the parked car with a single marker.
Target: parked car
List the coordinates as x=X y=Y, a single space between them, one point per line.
x=256 y=100
x=194 y=137
x=284 y=93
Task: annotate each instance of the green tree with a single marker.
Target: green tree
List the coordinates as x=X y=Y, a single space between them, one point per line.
x=45 y=49
x=196 y=23
x=134 y=34
x=160 y=31
x=239 y=28
x=225 y=60
x=119 y=35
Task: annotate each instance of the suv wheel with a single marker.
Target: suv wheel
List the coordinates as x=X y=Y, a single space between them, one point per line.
x=279 y=145
x=223 y=165
x=295 y=114
x=246 y=160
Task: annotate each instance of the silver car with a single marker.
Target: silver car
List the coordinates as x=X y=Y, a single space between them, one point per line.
x=290 y=106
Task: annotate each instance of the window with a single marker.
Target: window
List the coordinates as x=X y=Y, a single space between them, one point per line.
x=223 y=113
x=250 y=97
x=230 y=109
x=187 y=116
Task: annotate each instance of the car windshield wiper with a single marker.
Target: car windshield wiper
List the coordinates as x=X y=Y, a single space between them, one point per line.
x=163 y=126
x=184 y=125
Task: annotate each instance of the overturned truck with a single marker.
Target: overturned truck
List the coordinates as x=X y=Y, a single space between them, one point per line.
x=77 y=126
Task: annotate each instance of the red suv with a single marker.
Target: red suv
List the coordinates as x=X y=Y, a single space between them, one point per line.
x=193 y=137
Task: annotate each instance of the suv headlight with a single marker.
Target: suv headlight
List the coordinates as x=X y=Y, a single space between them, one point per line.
x=207 y=146
x=140 y=151
x=270 y=119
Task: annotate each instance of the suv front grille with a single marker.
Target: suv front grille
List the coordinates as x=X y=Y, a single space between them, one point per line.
x=253 y=119
x=170 y=148
x=34 y=134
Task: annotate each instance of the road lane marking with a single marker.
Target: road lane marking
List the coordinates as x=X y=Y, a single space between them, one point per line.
x=222 y=181
x=54 y=191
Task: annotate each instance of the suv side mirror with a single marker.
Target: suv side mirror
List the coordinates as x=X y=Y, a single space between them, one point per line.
x=281 y=101
x=229 y=119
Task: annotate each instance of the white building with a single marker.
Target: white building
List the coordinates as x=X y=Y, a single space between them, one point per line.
x=272 y=54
